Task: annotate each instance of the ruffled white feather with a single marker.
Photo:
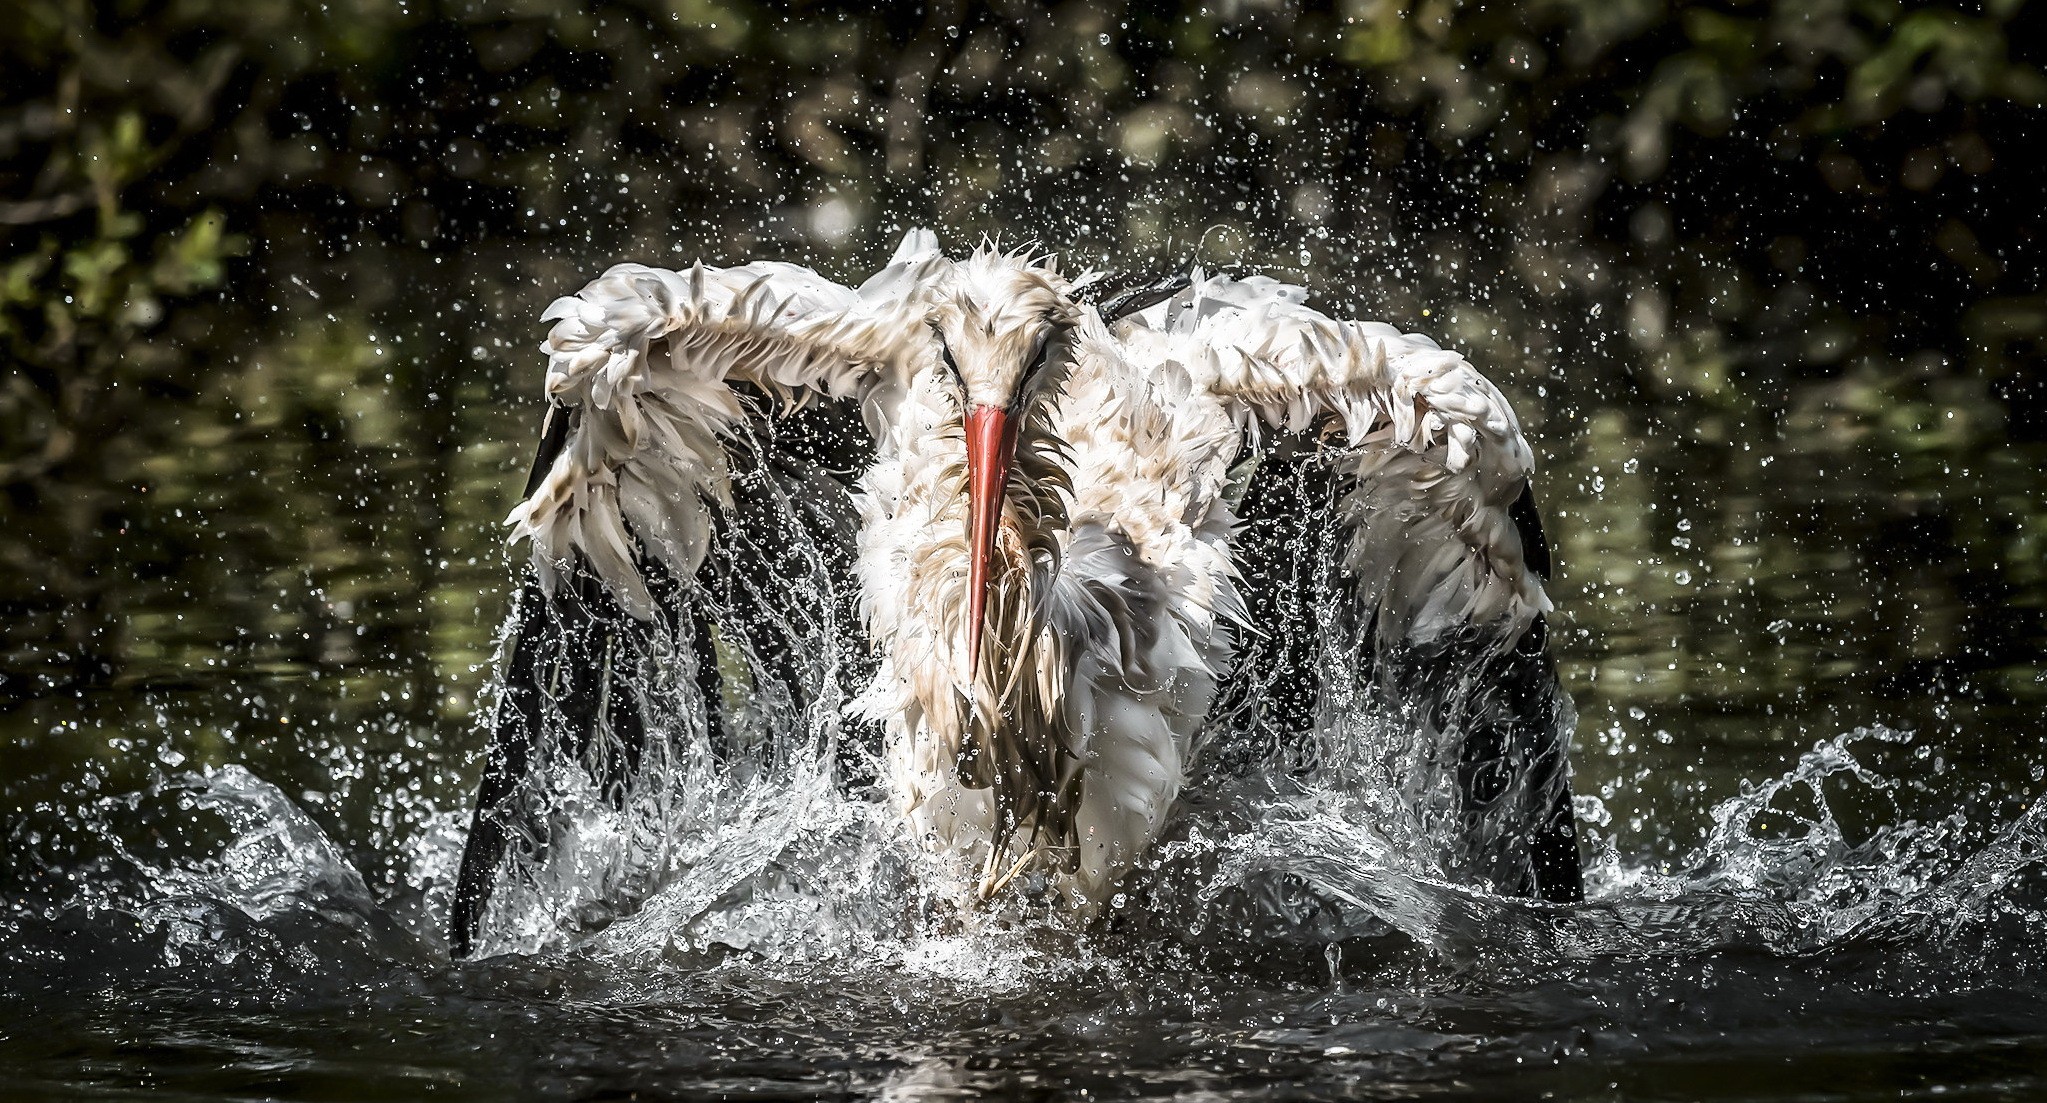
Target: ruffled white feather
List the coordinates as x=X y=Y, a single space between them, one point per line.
x=1437 y=452
x=645 y=359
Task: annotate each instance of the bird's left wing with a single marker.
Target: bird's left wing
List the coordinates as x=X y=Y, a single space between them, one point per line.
x=671 y=484
x=1388 y=503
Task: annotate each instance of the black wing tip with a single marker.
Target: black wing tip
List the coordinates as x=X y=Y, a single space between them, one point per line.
x=513 y=731
x=1527 y=520
x=1554 y=860
x=1135 y=293
x=473 y=886
x=555 y=427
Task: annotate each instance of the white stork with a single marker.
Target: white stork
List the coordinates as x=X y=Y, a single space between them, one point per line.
x=1046 y=542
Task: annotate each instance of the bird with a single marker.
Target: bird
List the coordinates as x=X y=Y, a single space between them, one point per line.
x=1062 y=525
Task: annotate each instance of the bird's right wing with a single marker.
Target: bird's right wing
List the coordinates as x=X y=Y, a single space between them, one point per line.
x=1388 y=505
x=644 y=361
x=686 y=477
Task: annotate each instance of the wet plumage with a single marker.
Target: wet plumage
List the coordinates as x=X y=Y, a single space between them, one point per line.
x=1045 y=540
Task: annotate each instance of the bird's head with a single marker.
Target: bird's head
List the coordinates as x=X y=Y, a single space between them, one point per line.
x=1003 y=335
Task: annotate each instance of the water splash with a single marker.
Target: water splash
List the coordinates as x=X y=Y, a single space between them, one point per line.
x=221 y=874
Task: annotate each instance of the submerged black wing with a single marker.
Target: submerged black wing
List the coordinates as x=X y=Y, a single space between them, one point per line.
x=686 y=602
x=585 y=684
x=1393 y=558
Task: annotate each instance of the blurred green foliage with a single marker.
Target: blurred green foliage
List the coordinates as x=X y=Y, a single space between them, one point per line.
x=1764 y=276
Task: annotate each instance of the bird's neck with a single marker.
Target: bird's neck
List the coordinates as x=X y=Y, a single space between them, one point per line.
x=919 y=519
x=999 y=725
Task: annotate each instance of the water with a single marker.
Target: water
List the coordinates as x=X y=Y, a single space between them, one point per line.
x=220 y=944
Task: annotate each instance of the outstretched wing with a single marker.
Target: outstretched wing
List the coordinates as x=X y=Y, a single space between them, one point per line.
x=684 y=478
x=1388 y=512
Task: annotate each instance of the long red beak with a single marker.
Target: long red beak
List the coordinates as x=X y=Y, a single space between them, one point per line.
x=991 y=445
